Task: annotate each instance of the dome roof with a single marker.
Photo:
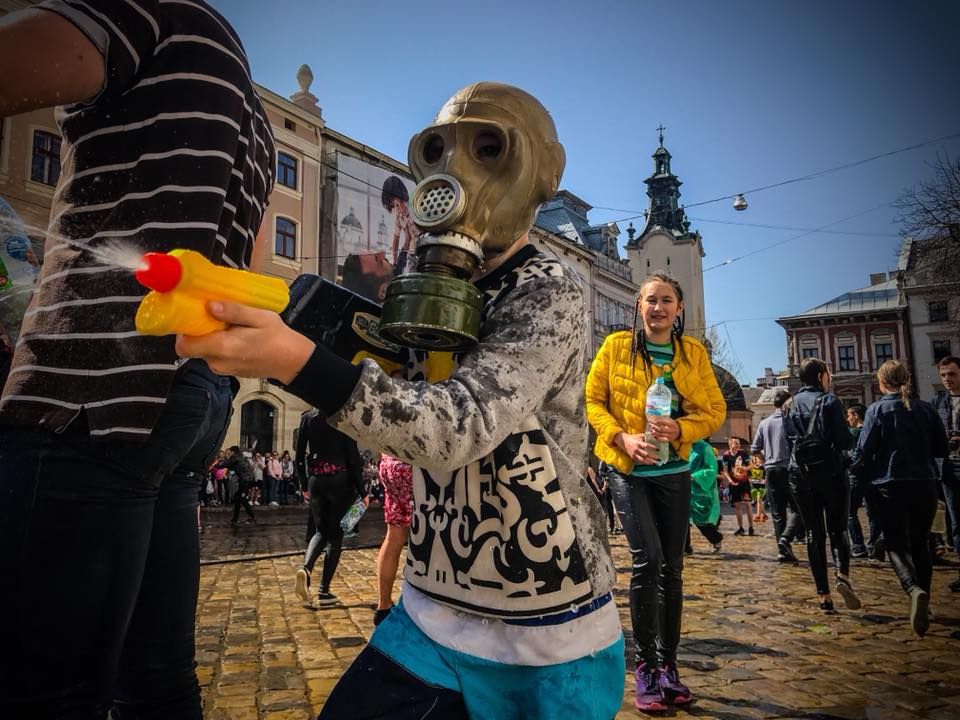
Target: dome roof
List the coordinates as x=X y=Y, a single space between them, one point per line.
x=351 y=221
x=732 y=392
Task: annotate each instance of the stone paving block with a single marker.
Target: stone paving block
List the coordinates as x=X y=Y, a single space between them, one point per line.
x=225 y=689
x=294 y=714
x=234 y=701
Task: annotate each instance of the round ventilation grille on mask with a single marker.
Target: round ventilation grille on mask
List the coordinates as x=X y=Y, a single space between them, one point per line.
x=437 y=200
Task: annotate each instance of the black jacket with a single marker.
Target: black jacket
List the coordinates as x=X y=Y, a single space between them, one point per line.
x=317 y=439
x=243 y=469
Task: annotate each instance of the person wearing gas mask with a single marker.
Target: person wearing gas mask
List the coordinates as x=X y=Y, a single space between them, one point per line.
x=506 y=609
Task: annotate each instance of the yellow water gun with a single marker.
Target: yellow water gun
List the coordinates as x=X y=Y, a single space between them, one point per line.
x=183 y=281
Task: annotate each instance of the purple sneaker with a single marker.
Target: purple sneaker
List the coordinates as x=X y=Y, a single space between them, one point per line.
x=649 y=697
x=674 y=691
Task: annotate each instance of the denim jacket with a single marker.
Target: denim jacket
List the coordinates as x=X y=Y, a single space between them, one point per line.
x=898 y=443
x=941 y=403
x=831 y=424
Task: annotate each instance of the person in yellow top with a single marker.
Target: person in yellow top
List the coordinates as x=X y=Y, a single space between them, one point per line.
x=652 y=496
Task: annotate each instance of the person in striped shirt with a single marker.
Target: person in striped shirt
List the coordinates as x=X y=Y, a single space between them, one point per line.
x=104 y=435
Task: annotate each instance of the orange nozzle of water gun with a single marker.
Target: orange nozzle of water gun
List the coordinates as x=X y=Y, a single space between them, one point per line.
x=183 y=281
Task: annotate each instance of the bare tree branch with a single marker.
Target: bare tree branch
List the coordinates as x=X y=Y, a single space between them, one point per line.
x=929 y=214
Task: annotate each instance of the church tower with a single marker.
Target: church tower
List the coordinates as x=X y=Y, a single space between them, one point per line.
x=666 y=243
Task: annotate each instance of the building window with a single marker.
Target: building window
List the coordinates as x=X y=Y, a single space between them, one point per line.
x=45 y=164
x=938 y=311
x=287 y=170
x=286 y=239
x=884 y=352
x=809 y=347
x=289 y=124
x=847 y=358
x=941 y=349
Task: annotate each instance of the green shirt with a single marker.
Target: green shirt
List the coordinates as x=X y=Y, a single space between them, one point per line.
x=662 y=357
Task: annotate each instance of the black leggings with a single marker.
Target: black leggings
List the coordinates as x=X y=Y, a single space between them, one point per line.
x=906 y=509
x=655 y=512
x=330 y=498
x=818 y=498
x=710 y=532
x=240 y=500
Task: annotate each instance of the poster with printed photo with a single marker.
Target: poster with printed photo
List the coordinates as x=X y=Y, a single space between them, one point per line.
x=376 y=237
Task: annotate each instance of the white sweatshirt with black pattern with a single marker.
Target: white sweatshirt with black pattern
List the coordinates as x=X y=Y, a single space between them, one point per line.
x=503 y=523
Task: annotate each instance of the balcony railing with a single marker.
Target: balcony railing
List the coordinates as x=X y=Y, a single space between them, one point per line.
x=614 y=267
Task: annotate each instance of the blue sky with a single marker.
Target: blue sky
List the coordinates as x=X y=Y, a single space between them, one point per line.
x=751 y=93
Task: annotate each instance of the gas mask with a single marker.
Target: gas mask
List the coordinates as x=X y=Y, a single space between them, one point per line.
x=483 y=168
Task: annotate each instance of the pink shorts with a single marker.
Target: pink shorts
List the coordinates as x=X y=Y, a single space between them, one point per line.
x=397 y=480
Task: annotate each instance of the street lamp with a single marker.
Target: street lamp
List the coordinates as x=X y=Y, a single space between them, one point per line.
x=739 y=202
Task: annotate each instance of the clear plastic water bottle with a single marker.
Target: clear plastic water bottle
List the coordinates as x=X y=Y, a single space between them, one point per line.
x=659 y=404
x=353 y=515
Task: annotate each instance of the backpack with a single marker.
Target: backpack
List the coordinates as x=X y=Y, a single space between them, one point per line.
x=812 y=453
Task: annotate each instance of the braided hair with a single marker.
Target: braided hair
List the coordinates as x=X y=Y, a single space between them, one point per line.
x=639 y=344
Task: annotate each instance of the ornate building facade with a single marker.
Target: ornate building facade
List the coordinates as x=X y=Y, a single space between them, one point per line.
x=854 y=334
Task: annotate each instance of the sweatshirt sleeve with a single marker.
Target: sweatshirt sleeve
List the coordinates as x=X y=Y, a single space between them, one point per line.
x=530 y=343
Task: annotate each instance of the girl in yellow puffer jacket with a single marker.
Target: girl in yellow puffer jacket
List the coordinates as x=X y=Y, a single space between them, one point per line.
x=652 y=497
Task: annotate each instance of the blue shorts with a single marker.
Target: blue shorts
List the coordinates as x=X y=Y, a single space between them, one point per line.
x=589 y=688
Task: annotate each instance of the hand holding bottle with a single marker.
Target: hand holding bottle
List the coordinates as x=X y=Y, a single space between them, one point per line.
x=637 y=447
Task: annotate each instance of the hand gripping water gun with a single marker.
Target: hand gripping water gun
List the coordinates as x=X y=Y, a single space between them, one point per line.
x=183 y=281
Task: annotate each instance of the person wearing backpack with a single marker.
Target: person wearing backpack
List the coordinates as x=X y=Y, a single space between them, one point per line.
x=817 y=428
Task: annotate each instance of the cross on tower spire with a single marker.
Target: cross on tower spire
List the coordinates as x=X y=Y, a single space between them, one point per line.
x=660 y=129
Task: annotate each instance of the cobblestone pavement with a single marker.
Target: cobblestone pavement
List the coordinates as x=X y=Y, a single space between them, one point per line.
x=755 y=645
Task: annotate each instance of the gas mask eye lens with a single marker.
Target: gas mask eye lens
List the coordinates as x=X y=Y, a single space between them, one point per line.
x=487 y=146
x=433 y=149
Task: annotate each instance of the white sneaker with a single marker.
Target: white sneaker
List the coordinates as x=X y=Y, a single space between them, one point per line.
x=303 y=586
x=274 y=503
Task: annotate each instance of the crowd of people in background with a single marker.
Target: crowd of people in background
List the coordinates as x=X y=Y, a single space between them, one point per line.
x=274 y=480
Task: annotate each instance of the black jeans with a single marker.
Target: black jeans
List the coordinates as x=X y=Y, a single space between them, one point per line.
x=862 y=495
x=906 y=509
x=822 y=502
x=330 y=498
x=950 y=484
x=783 y=511
x=655 y=512
x=100 y=539
x=375 y=687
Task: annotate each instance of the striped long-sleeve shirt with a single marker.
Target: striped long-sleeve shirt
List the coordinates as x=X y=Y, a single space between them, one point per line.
x=174 y=152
